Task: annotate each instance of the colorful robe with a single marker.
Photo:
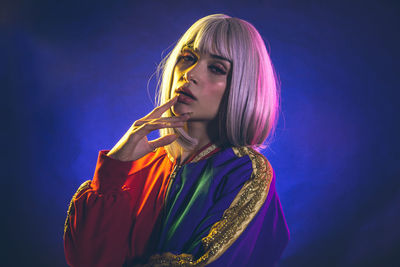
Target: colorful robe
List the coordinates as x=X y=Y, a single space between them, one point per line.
x=220 y=208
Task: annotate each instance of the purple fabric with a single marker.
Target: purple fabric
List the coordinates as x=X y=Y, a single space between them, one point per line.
x=263 y=241
x=198 y=197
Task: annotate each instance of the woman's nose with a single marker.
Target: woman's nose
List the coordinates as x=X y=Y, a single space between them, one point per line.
x=192 y=74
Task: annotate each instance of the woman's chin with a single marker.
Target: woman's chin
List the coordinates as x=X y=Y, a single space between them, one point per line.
x=180 y=109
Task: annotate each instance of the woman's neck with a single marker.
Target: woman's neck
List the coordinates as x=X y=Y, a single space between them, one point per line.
x=199 y=131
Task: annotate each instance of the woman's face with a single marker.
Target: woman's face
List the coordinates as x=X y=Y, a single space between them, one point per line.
x=200 y=81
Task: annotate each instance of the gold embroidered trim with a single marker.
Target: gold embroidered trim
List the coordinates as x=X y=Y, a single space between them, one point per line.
x=85 y=185
x=205 y=152
x=169 y=259
x=235 y=219
x=208 y=150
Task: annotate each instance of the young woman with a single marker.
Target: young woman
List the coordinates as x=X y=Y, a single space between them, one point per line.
x=200 y=194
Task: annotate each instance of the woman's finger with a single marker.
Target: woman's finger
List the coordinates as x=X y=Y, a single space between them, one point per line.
x=163 y=141
x=158 y=111
x=183 y=117
x=147 y=128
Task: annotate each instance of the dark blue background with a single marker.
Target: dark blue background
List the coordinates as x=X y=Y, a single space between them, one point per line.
x=74 y=77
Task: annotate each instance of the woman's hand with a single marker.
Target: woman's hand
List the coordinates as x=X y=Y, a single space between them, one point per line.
x=134 y=144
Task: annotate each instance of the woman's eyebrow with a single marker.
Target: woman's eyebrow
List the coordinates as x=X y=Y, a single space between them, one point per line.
x=220 y=57
x=190 y=49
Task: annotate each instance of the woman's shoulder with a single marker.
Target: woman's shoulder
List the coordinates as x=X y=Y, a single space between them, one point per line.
x=247 y=158
x=257 y=159
x=261 y=175
x=237 y=168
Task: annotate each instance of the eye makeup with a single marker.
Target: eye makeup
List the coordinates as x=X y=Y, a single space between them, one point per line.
x=218 y=64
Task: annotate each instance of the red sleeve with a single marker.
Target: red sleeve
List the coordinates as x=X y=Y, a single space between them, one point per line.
x=100 y=215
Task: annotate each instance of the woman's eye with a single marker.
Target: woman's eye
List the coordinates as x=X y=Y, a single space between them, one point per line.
x=187 y=58
x=217 y=70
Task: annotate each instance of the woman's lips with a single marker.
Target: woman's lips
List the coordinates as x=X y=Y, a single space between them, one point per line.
x=185 y=99
x=185 y=96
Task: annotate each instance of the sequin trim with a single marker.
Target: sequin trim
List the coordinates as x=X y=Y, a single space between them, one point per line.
x=235 y=219
x=85 y=185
